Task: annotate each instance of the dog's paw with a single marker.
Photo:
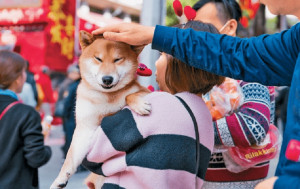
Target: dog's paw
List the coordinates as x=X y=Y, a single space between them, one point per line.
x=59 y=183
x=142 y=107
x=58 y=186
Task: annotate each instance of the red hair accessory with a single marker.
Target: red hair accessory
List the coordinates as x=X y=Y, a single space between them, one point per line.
x=189 y=12
x=177 y=7
x=143 y=70
x=151 y=88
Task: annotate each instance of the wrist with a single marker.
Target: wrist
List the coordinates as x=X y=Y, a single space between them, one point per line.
x=150 y=34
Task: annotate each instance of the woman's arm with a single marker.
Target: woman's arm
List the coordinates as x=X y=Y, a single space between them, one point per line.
x=117 y=135
x=291 y=182
x=250 y=124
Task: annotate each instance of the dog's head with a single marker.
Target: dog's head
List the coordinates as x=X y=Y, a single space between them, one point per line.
x=106 y=65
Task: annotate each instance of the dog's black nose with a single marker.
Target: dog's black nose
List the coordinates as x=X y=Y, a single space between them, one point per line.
x=107 y=80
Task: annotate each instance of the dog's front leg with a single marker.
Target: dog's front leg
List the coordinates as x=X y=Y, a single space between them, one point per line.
x=78 y=149
x=136 y=102
x=86 y=124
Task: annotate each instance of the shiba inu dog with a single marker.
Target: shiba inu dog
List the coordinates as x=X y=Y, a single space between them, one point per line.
x=108 y=71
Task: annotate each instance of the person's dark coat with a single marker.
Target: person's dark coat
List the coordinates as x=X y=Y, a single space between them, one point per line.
x=22 y=148
x=31 y=81
x=69 y=114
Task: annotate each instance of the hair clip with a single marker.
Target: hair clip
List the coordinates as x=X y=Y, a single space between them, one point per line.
x=143 y=70
x=189 y=12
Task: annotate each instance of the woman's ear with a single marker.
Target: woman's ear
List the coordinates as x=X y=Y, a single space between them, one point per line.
x=231 y=27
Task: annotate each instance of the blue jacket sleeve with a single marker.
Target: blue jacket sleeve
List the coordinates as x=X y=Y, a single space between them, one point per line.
x=267 y=59
x=287 y=181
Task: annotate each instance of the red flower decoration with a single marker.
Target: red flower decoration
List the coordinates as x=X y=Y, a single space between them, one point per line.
x=244 y=21
x=177 y=7
x=189 y=12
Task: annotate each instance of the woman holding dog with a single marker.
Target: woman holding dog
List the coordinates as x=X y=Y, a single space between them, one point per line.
x=22 y=149
x=272 y=60
x=167 y=148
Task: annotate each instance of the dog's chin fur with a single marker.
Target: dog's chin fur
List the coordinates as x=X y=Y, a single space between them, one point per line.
x=118 y=85
x=107 y=89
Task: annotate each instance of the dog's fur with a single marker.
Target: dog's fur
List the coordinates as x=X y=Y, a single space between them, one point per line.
x=108 y=71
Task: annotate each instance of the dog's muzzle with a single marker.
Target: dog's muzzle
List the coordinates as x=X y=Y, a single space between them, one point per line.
x=107 y=82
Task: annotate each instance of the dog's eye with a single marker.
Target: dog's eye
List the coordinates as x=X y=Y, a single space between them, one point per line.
x=117 y=60
x=99 y=59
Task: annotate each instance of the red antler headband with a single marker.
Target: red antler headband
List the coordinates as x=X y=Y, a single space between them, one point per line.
x=189 y=12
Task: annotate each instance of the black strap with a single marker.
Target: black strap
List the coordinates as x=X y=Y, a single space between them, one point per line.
x=197 y=136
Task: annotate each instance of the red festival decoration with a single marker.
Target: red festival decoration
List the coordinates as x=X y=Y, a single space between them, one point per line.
x=44 y=30
x=14 y=13
x=249 y=10
x=28 y=25
x=60 y=34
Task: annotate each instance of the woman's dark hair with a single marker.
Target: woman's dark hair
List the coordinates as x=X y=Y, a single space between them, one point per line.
x=227 y=9
x=12 y=66
x=181 y=77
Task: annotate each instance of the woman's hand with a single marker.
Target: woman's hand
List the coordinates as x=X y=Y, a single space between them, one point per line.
x=267 y=184
x=130 y=33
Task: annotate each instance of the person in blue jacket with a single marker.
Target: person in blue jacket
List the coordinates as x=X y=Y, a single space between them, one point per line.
x=267 y=59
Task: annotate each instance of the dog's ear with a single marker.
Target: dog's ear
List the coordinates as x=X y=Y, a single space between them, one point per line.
x=85 y=39
x=137 y=49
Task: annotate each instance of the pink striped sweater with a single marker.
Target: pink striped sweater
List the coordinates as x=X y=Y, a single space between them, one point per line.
x=155 y=151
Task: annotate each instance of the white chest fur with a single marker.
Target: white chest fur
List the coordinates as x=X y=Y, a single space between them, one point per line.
x=92 y=104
